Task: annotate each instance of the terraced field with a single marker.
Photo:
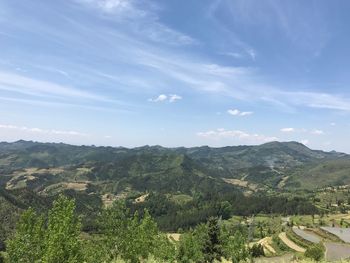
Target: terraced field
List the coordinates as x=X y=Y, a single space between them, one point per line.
x=342 y=233
x=336 y=251
x=290 y=243
x=307 y=235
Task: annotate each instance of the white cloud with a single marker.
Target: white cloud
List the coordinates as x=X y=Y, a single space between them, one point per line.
x=174 y=97
x=333 y=124
x=162 y=98
x=221 y=133
x=317 y=132
x=110 y=6
x=246 y=113
x=287 y=130
x=233 y=112
x=42 y=131
x=302 y=130
x=236 y=112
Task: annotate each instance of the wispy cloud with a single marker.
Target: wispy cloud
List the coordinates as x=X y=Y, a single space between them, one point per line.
x=252 y=53
x=174 y=97
x=42 y=131
x=141 y=19
x=219 y=134
x=287 y=130
x=317 y=132
x=162 y=98
x=236 y=112
x=155 y=66
x=233 y=54
x=302 y=130
x=30 y=86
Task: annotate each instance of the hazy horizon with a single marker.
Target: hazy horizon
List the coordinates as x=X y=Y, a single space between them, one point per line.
x=158 y=145
x=217 y=73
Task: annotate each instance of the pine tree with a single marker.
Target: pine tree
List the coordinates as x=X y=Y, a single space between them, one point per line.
x=213 y=248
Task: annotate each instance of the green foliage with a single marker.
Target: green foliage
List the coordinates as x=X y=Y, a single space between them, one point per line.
x=132 y=237
x=190 y=248
x=62 y=235
x=315 y=252
x=279 y=243
x=235 y=247
x=94 y=250
x=212 y=249
x=257 y=250
x=27 y=243
x=58 y=242
x=164 y=249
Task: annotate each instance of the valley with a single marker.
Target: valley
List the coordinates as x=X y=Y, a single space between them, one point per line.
x=283 y=197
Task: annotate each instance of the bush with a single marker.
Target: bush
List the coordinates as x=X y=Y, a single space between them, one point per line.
x=257 y=250
x=316 y=252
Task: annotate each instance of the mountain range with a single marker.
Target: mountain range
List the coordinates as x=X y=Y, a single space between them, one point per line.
x=50 y=167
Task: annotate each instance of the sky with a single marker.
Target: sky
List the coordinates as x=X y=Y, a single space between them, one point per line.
x=176 y=73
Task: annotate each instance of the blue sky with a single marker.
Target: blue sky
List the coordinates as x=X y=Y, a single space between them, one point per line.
x=175 y=73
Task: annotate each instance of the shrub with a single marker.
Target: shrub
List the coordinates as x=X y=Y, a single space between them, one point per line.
x=316 y=252
x=257 y=250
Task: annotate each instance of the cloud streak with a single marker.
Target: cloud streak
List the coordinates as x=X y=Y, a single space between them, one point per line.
x=236 y=112
x=42 y=131
x=220 y=134
x=163 y=98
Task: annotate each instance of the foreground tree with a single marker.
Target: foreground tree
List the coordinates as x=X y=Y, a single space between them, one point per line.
x=62 y=243
x=213 y=245
x=132 y=237
x=58 y=242
x=190 y=247
x=235 y=248
x=27 y=244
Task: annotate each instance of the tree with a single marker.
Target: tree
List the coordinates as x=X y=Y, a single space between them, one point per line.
x=190 y=248
x=165 y=249
x=62 y=243
x=132 y=237
x=142 y=237
x=236 y=248
x=114 y=224
x=212 y=247
x=27 y=243
x=58 y=242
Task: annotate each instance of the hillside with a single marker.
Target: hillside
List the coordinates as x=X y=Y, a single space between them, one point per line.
x=48 y=167
x=181 y=187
